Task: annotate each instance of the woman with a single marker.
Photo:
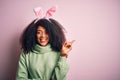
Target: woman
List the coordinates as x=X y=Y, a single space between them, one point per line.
x=44 y=52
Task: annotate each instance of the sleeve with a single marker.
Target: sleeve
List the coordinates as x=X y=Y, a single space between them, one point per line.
x=22 y=73
x=61 y=69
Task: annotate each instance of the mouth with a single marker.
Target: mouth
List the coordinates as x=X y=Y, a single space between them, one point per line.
x=43 y=40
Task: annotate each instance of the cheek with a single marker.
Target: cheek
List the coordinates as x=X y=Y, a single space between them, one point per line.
x=48 y=37
x=38 y=36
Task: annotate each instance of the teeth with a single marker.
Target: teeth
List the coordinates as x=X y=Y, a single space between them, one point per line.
x=43 y=39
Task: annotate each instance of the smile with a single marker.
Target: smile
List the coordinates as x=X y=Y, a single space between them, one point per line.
x=43 y=40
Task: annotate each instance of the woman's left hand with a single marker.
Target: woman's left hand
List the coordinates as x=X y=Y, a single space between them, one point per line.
x=67 y=46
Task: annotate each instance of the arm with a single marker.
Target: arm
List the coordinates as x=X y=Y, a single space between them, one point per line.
x=22 y=73
x=61 y=69
x=22 y=68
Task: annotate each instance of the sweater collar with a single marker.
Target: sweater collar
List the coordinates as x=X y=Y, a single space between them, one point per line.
x=42 y=49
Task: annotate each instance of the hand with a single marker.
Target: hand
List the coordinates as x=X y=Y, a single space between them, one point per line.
x=67 y=46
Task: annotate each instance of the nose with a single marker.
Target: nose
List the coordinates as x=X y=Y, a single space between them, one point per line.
x=43 y=35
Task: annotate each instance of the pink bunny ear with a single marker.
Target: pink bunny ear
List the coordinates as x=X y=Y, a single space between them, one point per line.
x=39 y=12
x=51 y=11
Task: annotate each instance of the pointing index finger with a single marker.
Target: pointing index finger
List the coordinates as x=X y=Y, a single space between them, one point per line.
x=72 y=41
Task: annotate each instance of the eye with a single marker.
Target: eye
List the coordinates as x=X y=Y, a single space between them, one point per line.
x=39 y=32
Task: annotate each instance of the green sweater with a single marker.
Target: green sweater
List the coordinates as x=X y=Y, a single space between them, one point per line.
x=42 y=64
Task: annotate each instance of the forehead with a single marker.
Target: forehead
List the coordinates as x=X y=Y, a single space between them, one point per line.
x=41 y=28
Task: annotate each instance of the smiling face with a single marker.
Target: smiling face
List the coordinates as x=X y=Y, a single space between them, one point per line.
x=42 y=36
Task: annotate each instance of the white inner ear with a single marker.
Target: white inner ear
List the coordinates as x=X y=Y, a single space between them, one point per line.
x=38 y=12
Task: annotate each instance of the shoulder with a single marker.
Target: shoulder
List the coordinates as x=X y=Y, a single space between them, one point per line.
x=23 y=54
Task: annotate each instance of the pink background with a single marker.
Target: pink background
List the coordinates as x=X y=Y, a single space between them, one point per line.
x=94 y=24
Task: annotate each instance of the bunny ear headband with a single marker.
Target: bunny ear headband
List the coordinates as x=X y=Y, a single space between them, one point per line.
x=49 y=13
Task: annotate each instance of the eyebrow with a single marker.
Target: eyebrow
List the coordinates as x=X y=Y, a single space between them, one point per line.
x=39 y=30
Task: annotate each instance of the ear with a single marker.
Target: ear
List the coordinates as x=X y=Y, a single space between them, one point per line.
x=38 y=12
x=51 y=11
